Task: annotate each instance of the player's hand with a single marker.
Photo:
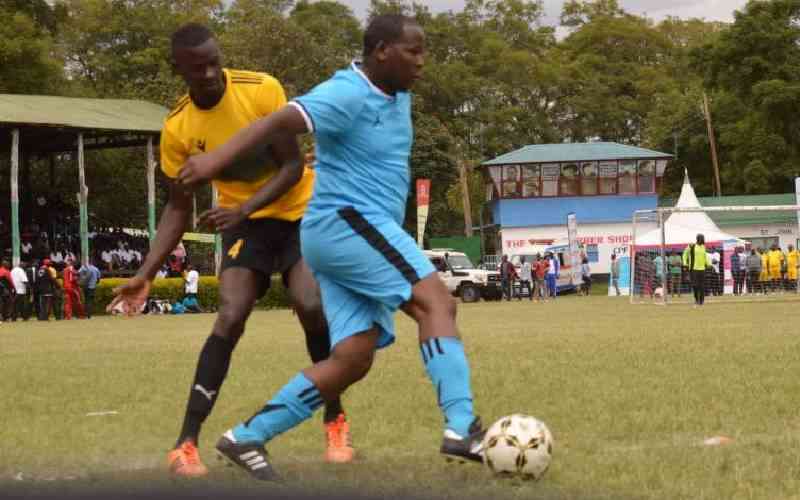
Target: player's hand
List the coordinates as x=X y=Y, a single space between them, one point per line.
x=222 y=219
x=132 y=295
x=199 y=169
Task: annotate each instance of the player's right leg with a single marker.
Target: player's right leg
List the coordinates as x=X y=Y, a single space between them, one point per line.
x=434 y=310
x=239 y=288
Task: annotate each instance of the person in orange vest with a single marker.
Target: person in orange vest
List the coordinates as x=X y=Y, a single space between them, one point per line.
x=72 y=294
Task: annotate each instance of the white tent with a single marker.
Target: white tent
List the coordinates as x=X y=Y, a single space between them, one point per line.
x=681 y=228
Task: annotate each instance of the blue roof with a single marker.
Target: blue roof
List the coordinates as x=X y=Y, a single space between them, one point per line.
x=527 y=212
x=568 y=152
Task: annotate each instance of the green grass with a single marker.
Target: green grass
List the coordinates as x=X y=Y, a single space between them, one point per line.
x=630 y=393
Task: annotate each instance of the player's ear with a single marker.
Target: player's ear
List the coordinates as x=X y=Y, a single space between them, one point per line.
x=381 y=50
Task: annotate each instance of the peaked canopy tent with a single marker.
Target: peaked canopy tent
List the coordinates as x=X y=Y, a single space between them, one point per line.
x=46 y=125
x=681 y=228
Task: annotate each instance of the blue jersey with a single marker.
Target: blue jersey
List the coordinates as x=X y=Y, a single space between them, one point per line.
x=363 y=144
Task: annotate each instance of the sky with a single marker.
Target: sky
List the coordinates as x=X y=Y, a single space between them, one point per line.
x=711 y=10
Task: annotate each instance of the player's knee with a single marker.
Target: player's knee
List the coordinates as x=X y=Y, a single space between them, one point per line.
x=354 y=365
x=230 y=322
x=308 y=305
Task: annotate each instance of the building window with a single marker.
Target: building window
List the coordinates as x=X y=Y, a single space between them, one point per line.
x=608 y=177
x=760 y=242
x=589 y=178
x=627 y=177
x=569 y=182
x=531 y=180
x=550 y=172
x=511 y=181
x=592 y=253
x=647 y=176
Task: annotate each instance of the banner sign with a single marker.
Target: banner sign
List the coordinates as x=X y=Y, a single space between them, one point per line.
x=423 y=206
x=574 y=250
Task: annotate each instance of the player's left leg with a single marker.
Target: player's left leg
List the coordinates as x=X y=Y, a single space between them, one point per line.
x=305 y=294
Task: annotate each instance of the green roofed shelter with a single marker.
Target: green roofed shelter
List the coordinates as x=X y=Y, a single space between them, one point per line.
x=728 y=219
x=576 y=152
x=46 y=125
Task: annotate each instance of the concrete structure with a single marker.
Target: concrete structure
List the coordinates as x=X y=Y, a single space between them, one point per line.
x=530 y=192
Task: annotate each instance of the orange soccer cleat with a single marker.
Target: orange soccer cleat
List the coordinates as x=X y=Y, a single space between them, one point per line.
x=339 y=450
x=184 y=461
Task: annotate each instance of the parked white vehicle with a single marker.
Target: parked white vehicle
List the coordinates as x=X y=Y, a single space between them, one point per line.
x=462 y=277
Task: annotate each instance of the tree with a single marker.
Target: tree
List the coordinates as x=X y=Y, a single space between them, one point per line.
x=28 y=62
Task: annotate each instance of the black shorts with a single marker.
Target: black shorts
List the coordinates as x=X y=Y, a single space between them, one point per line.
x=264 y=245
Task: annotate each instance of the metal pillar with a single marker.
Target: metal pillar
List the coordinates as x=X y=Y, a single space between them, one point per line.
x=83 y=198
x=15 y=244
x=151 y=191
x=217 y=236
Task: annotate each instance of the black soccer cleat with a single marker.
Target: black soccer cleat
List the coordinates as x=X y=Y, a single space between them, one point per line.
x=455 y=447
x=251 y=457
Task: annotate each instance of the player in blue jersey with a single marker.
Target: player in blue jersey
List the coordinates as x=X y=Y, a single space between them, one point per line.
x=352 y=238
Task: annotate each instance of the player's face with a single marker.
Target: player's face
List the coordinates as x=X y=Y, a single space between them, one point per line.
x=405 y=58
x=201 y=69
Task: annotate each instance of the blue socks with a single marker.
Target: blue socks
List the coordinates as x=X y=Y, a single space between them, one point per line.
x=448 y=369
x=295 y=403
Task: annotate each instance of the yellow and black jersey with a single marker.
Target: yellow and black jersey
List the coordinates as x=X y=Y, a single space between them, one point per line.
x=189 y=130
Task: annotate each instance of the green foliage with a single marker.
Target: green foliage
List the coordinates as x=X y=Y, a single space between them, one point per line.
x=495 y=79
x=172 y=289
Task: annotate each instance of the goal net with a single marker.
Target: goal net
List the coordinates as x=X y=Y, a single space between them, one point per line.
x=751 y=254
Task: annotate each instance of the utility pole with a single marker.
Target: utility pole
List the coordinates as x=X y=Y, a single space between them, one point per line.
x=465 y=197
x=712 y=141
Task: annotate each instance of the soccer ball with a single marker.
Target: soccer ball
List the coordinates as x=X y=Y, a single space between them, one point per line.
x=518 y=445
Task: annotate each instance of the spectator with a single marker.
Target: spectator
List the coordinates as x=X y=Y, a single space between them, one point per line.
x=615 y=273
x=45 y=289
x=553 y=269
x=108 y=260
x=33 y=298
x=735 y=265
x=20 y=281
x=7 y=292
x=763 y=276
x=191 y=280
x=586 y=277
x=89 y=277
x=774 y=261
x=507 y=276
x=792 y=266
x=715 y=282
x=675 y=273
x=741 y=255
x=525 y=279
x=27 y=248
x=540 y=272
x=658 y=271
x=753 y=271
x=696 y=259
x=72 y=294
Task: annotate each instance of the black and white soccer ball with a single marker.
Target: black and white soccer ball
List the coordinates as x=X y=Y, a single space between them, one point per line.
x=518 y=445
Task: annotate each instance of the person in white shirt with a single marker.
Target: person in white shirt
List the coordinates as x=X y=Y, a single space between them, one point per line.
x=107 y=259
x=192 y=279
x=20 y=305
x=716 y=282
x=525 y=279
x=26 y=248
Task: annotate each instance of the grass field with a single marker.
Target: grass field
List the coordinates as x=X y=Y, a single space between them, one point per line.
x=630 y=393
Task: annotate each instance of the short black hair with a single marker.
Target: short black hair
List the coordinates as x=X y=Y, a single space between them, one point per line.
x=386 y=28
x=190 y=35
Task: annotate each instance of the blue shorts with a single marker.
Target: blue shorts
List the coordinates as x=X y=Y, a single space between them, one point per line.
x=365 y=267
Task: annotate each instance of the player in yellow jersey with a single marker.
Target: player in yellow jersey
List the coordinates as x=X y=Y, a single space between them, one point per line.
x=764 y=275
x=775 y=259
x=261 y=202
x=792 y=263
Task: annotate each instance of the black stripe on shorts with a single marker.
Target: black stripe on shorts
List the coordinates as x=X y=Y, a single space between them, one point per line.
x=377 y=241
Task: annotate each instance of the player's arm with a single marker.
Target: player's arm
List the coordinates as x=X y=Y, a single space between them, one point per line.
x=171 y=226
x=286 y=152
x=274 y=129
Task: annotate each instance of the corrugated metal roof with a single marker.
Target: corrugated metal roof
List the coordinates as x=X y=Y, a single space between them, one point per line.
x=589 y=151
x=723 y=219
x=82 y=113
